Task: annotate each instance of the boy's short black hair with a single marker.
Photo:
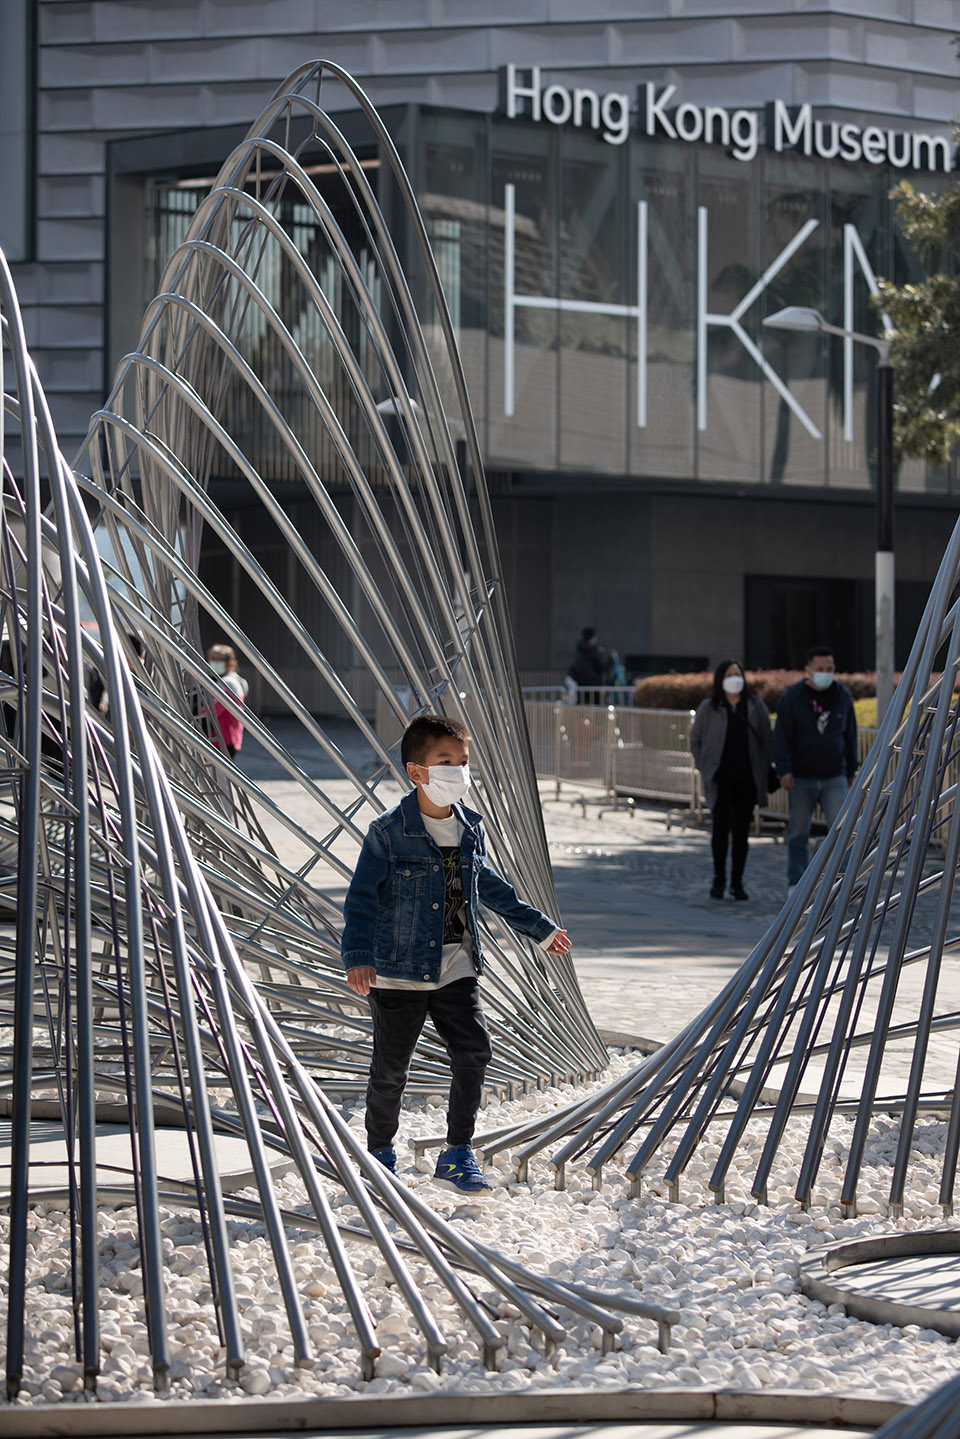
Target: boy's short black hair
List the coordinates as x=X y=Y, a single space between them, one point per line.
x=422 y=733
x=816 y=652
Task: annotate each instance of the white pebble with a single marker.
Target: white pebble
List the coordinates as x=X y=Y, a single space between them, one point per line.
x=427 y=1379
x=731 y=1270
x=392 y=1366
x=255 y=1381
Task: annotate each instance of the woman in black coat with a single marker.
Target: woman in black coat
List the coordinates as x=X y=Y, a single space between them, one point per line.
x=730 y=742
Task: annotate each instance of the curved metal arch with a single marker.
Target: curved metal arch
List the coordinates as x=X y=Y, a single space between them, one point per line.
x=840 y=945
x=164 y=950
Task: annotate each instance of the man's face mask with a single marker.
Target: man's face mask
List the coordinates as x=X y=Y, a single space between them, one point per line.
x=823 y=679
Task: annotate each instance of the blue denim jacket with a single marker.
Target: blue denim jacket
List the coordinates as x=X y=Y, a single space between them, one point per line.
x=393 y=912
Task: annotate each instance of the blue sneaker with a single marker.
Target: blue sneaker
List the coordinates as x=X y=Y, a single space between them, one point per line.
x=387 y=1156
x=458 y=1169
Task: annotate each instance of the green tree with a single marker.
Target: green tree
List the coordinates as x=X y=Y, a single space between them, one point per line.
x=926 y=319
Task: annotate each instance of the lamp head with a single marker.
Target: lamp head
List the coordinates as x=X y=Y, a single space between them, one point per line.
x=796 y=317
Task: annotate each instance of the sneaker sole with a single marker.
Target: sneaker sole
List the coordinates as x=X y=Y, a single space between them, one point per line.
x=485 y=1193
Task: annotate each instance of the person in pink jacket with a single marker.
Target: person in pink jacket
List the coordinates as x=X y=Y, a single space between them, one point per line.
x=223 y=661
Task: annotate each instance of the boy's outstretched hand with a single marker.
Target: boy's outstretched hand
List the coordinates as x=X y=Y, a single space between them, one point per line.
x=560 y=944
x=362 y=979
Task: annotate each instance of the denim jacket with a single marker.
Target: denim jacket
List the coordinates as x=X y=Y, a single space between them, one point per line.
x=393 y=912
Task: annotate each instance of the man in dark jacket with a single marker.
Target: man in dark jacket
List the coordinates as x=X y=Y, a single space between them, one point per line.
x=815 y=751
x=590 y=666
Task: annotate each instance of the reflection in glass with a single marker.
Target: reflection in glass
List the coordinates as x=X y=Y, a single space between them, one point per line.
x=793 y=194
x=524 y=158
x=729 y=447
x=593 y=345
x=596 y=228
x=665 y=184
x=453 y=199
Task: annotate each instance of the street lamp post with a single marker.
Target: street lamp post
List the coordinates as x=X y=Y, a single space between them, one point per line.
x=801 y=317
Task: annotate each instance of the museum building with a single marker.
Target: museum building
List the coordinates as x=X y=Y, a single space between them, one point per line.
x=615 y=208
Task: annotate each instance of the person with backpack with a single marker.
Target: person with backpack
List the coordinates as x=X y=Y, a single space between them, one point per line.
x=590 y=668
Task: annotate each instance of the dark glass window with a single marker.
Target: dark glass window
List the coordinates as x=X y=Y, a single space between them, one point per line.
x=728 y=446
x=858 y=199
x=171 y=208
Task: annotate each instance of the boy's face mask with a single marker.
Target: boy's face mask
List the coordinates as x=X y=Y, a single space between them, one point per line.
x=447 y=783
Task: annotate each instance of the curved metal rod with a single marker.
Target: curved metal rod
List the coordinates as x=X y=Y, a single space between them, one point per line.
x=149 y=893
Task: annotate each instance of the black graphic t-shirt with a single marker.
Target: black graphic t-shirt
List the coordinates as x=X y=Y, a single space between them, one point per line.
x=453 y=910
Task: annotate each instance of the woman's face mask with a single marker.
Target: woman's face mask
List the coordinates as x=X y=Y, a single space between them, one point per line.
x=219 y=667
x=733 y=684
x=447 y=784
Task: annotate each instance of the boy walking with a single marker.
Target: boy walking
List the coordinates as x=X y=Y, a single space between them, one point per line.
x=411 y=941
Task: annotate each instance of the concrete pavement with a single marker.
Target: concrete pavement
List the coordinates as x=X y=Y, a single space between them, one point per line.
x=651 y=947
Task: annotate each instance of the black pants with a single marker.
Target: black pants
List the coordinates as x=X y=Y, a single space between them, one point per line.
x=732 y=813
x=398 y=1018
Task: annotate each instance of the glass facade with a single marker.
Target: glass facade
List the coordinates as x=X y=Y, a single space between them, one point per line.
x=610 y=302
x=171 y=207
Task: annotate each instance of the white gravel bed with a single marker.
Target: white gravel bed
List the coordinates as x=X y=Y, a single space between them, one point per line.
x=730 y=1269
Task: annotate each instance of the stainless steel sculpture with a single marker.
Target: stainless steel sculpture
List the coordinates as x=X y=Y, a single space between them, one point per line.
x=244 y=316
x=158 y=950
x=936 y=1417
x=851 y=968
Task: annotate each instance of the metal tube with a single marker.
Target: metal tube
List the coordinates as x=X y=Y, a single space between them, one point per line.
x=29 y=719
x=885 y=562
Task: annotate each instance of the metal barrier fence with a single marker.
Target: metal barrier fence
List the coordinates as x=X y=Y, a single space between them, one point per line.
x=569 y=693
x=620 y=751
x=638 y=753
x=651 y=756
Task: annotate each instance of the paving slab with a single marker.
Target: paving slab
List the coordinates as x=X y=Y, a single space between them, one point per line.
x=624 y=1413
x=49 y=1170
x=931 y=1281
x=652 y=1429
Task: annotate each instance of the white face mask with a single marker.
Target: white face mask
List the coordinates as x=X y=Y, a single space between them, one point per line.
x=447 y=783
x=823 y=679
x=219 y=667
x=733 y=684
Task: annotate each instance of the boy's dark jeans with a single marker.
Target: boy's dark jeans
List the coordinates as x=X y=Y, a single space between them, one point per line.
x=398 y=1018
